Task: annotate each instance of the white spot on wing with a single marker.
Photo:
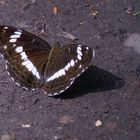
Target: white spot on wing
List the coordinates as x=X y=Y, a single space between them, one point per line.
x=18 y=33
x=79 y=48
x=8 y=73
x=79 y=52
x=25 y=62
x=69 y=65
x=66 y=67
x=23 y=56
x=15 y=36
x=79 y=57
x=13 y=40
x=51 y=78
x=19 y=49
x=57 y=75
x=61 y=72
x=79 y=45
x=80 y=66
x=5 y=27
x=72 y=63
x=34 y=71
x=24 y=88
x=12 y=79
x=5 y=47
x=30 y=66
x=62 y=91
x=37 y=75
x=17 y=84
x=33 y=89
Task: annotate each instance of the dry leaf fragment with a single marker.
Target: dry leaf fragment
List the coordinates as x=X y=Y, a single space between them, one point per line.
x=55 y=10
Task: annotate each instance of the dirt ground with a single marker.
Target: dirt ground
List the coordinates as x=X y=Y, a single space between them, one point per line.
x=104 y=102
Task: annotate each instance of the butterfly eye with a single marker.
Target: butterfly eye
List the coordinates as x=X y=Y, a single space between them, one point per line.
x=34 y=64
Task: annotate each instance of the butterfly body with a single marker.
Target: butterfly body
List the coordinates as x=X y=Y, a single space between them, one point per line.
x=34 y=64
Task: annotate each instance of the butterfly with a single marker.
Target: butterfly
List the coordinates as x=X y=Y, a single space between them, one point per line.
x=34 y=64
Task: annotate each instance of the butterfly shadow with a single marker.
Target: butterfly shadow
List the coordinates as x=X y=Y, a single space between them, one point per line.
x=94 y=79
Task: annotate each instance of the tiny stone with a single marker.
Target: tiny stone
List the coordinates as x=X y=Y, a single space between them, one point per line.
x=98 y=123
x=66 y=119
x=26 y=125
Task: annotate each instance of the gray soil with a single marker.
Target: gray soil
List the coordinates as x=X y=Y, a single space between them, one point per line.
x=104 y=102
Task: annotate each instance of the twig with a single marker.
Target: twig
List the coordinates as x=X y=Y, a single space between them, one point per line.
x=68 y=35
x=136 y=13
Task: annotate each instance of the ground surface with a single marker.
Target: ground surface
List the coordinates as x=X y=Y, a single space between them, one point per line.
x=104 y=103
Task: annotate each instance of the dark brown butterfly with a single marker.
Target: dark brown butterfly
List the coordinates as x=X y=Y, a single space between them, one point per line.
x=34 y=64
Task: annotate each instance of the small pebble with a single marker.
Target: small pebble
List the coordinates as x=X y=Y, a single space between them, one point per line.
x=98 y=123
x=26 y=125
x=66 y=119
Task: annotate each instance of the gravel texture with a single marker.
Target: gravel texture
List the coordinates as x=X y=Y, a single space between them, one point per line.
x=104 y=102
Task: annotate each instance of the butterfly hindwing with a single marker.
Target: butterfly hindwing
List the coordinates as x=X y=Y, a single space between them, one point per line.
x=65 y=65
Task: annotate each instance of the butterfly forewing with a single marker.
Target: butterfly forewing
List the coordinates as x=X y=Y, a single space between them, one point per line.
x=65 y=65
x=26 y=55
